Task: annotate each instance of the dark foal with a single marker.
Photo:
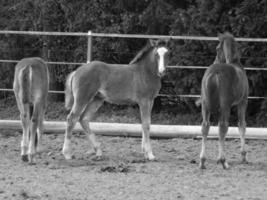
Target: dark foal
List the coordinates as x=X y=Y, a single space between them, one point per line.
x=224 y=85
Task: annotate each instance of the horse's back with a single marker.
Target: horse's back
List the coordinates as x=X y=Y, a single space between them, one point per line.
x=224 y=85
x=88 y=76
x=114 y=83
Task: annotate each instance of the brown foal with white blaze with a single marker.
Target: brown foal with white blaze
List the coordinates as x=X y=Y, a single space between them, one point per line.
x=31 y=82
x=224 y=85
x=137 y=83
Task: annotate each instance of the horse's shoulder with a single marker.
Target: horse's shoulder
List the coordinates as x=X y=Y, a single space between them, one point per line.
x=96 y=65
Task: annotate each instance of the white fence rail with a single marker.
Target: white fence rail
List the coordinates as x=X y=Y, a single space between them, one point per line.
x=135 y=130
x=91 y=34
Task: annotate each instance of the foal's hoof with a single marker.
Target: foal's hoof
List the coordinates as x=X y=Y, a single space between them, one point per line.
x=244 y=157
x=150 y=157
x=202 y=167
x=69 y=156
x=31 y=161
x=244 y=161
x=98 y=158
x=98 y=153
x=25 y=158
x=90 y=152
x=223 y=162
x=202 y=163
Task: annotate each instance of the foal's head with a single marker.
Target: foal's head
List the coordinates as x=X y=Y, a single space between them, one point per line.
x=227 y=49
x=155 y=52
x=160 y=53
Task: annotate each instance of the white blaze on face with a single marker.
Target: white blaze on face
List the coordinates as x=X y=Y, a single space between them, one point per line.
x=161 y=52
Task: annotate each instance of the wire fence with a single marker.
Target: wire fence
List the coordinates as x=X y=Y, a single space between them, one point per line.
x=90 y=34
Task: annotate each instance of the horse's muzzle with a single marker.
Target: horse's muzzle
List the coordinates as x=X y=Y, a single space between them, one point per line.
x=161 y=74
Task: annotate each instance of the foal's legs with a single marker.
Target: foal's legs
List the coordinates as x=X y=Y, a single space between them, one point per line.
x=242 y=128
x=72 y=119
x=25 y=119
x=84 y=120
x=145 y=110
x=205 y=131
x=223 y=128
x=40 y=129
x=33 y=131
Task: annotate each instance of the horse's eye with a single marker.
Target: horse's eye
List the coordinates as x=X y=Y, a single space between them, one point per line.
x=167 y=55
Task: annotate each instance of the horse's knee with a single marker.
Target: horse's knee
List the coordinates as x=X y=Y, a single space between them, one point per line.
x=34 y=120
x=146 y=127
x=242 y=124
x=223 y=126
x=71 y=118
x=205 y=127
x=23 y=116
x=83 y=119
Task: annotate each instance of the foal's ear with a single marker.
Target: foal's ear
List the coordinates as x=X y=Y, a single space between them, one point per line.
x=219 y=46
x=220 y=36
x=167 y=41
x=153 y=42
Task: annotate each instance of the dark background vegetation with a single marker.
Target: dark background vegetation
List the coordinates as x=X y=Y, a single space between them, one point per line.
x=243 y=18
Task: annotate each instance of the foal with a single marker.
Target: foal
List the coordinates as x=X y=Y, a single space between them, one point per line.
x=224 y=85
x=31 y=82
x=92 y=84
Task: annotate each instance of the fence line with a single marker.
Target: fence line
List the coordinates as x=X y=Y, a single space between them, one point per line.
x=49 y=62
x=170 y=66
x=90 y=34
x=127 y=35
x=50 y=91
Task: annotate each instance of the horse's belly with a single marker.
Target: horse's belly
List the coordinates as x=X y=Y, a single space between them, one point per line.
x=117 y=97
x=120 y=101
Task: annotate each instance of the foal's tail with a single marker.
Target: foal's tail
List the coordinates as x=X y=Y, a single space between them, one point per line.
x=68 y=92
x=25 y=84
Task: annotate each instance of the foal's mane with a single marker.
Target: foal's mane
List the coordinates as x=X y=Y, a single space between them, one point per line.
x=233 y=44
x=142 y=53
x=226 y=35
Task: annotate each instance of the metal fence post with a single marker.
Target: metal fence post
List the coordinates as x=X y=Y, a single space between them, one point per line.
x=45 y=50
x=89 y=47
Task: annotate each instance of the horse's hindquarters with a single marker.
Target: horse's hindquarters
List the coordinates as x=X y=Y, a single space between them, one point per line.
x=224 y=85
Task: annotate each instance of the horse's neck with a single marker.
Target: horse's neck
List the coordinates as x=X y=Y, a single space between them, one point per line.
x=149 y=69
x=232 y=56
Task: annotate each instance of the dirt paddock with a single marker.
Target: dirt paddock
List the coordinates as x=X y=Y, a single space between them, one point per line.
x=122 y=173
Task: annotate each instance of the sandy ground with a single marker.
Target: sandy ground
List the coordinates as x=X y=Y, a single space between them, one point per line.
x=122 y=173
